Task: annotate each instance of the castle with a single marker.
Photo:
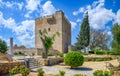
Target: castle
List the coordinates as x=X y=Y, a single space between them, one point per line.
x=54 y=23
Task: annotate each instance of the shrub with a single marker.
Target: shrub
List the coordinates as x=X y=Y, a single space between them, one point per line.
x=49 y=54
x=19 y=53
x=98 y=52
x=114 y=52
x=40 y=72
x=24 y=70
x=61 y=73
x=102 y=73
x=79 y=75
x=61 y=54
x=14 y=70
x=91 y=52
x=98 y=73
x=74 y=59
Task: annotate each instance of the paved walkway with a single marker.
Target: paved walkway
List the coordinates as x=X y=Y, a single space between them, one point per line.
x=69 y=72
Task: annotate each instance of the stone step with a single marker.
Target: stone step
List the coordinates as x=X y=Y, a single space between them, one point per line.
x=33 y=63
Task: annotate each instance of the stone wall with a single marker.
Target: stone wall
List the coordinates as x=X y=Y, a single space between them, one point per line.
x=116 y=73
x=5 y=67
x=49 y=61
x=34 y=51
x=26 y=51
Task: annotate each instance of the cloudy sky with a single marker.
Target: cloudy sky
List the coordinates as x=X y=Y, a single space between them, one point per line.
x=17 y=17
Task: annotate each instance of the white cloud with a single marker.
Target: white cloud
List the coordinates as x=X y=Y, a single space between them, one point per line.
x=20 y=5
x=11 y=4
x=8 y=23
x=117 y=18
x=32 y=5
x=82 y=9
x=26 y=40
x=98 y=15
x=25 y=33
x=8 y=4
x=109 y=33
x=73 y=24
x=27 y=15
x=48 y=8
x=25 y=27
x=78 y=20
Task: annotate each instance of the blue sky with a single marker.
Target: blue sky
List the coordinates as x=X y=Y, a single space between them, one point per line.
x=17 y=16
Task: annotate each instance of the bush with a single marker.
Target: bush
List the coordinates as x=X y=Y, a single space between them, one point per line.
x=79 y=75
x=74 y=59
x=102 y=73
x=49 y=54
x=115 y=52
x=61 y=54
x=91 y=52
x=14 y=71
x=24 y=70
x=40 y=72
x=19 y=53
x=99 y=52
x=61 y=73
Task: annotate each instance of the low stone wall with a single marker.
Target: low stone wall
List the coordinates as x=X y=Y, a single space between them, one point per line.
x=52 y=61
x=98 y=58
x=5 y=67
x=116 y=73
x=26 y=51
x=49 y=61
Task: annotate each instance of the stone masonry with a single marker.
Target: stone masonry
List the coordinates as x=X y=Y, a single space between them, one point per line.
x=54 y=23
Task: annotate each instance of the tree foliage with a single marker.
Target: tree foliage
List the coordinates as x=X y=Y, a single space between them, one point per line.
x=47 y=40
x=116 y=38
x=84 y=34
x=74 y=59
x=3 y=46
x=98 y=39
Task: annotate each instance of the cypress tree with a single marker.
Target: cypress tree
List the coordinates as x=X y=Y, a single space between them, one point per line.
x=83 y=38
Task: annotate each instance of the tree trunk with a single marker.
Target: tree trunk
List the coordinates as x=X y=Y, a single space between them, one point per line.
x=45 y=50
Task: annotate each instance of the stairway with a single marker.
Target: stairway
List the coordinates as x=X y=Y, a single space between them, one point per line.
x=33 y=63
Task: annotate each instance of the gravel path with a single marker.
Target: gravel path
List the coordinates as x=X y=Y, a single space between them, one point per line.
x=69 y=72
x=87 y=68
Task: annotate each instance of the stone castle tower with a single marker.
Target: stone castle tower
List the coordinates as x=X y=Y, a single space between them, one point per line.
x=54 y=23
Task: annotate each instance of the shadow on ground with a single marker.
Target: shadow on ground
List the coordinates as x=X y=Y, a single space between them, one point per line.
x=82 y=69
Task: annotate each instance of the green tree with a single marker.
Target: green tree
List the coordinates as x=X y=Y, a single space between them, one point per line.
x=116 y=38
x=83 y=38
x=47 y=40
x=3 y=46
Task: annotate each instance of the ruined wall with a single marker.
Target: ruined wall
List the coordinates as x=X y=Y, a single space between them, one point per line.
x=54 y=23
x=26 y=51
